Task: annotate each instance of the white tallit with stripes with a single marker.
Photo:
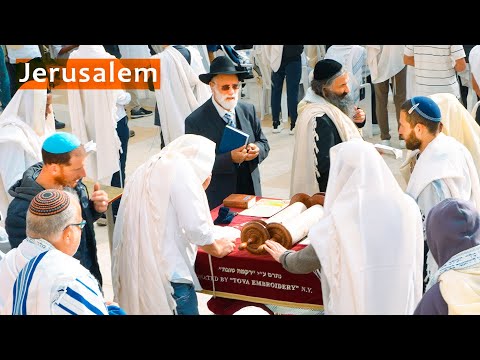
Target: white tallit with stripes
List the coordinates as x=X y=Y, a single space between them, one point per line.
x=50 y=283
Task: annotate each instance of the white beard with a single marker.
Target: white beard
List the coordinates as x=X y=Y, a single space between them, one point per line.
x=222 y=99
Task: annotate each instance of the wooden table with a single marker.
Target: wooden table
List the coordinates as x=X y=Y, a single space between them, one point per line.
x=113 y=194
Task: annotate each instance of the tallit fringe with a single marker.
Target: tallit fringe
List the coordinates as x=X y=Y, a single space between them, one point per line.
x=315 y=148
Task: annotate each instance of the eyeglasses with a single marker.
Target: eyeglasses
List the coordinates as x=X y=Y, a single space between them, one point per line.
x=81 y=224
x=227 y=87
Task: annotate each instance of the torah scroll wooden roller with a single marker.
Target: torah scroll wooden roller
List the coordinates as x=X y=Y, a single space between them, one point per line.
x=295 y=229
x=255 y=233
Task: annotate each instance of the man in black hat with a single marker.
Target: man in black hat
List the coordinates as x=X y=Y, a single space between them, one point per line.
x=329 y=109
x=235 y=171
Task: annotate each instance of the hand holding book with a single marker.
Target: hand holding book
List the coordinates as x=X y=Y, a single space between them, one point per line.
x=239 y=155
x=252 y=151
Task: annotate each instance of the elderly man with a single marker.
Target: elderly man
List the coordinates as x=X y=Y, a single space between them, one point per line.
x=235 y=171
x=41 y=277
x=439 y=166
x=327 y=116
x=63 y=166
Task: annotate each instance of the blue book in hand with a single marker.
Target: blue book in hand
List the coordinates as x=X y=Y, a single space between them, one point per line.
x=232 y=138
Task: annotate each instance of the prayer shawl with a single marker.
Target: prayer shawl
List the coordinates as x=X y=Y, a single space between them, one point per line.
x=370 y=240
x=29 y=106
x=203 y=53
x=314 y=53
x=384 y=61
x=14 y=261
x=474 y=61
x=304 y=162
x=180 y=93
x=142 y=264
x=54 y=283
x=273 y=56
x=443 y=159
x=354 y=59
x=92 y=114
x=37 y=279
x=23 y=128
x=198 y=54
x=459 y=124
x=20 y=148
x=461 y=291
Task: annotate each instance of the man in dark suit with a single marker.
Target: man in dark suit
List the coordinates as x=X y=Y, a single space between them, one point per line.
x=236 y=171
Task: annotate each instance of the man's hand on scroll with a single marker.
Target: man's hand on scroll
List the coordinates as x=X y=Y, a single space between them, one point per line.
x=274 y=249
x=220 y=247
x=99 y=198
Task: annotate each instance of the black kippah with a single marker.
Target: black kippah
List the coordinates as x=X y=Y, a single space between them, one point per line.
x=49 y=202
x=326 y=68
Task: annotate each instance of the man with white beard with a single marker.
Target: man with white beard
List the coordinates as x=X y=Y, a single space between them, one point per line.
x=235 y=171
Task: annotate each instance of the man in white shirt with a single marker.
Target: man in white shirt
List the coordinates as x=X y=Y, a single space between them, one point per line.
x=436 y=68
x=156 y=275
x=438 y=167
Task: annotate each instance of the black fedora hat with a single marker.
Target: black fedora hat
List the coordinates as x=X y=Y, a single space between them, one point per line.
x=222 y=65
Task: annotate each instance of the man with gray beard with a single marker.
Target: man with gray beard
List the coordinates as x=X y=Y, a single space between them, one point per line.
x=327 y=116
x=235 y=171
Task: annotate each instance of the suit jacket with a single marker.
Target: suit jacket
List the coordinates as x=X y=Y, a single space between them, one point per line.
x=206 y=121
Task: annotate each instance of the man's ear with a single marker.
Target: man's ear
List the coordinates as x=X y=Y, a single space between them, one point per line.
x=67 y=235
x=419 y=129
x=53 y=169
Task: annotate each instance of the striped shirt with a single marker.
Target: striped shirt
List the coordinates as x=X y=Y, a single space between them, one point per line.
x=434 y=68
x=53 y=283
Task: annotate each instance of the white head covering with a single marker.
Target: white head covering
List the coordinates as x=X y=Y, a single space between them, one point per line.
x=140 y=279
x=459 y=124
x=29 y=106
x=370 y=240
